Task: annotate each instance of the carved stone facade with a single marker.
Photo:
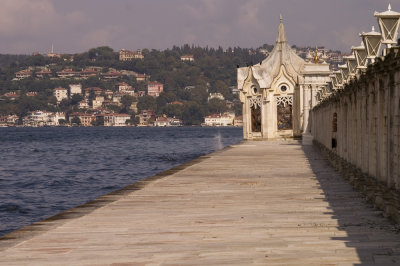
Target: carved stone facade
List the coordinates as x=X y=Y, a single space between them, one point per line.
x=361 y=123
x=278 y=93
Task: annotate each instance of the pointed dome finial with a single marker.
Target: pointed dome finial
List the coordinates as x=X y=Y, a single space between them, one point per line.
x=389 y=7
x=281 y=33
x=281 y=18
x=316 y=57
x=373 y=28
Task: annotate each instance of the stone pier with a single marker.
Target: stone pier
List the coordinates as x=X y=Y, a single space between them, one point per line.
x=256 y=203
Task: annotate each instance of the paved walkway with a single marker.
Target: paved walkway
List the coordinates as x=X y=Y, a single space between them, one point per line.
x=257 y=203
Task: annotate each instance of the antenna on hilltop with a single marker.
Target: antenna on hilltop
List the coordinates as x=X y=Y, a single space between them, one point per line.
x=52 y=48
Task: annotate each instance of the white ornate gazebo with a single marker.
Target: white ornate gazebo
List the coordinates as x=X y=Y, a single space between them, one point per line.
x=278 y=93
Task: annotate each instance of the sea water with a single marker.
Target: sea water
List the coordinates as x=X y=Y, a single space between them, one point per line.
x=44 y=171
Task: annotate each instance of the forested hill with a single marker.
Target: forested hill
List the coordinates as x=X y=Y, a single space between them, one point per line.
x=187 y=82
x=210 y=65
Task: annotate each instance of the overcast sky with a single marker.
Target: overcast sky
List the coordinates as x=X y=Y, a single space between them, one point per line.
x=74 y=26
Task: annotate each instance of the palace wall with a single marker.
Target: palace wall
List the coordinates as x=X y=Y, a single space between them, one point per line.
x=358 y=129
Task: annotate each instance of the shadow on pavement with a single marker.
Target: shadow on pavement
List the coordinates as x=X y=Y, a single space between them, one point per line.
x=376 y=239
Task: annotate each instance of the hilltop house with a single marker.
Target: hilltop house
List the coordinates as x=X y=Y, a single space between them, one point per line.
x=23 y=74
x=126 y=55
x=154 y=88
x=75 y=89
x=60 y=93
x=188 y=58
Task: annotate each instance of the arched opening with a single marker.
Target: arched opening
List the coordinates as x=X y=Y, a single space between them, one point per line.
x=334 y=122
x=255 y=119
x=284 y=111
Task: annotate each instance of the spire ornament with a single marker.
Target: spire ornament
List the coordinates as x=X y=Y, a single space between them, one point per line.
x=316 y=57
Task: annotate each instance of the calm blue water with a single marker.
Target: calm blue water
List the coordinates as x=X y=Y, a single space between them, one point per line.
x=44 y=171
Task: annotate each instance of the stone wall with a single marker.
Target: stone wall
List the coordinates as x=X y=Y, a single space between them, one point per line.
x=359 y=126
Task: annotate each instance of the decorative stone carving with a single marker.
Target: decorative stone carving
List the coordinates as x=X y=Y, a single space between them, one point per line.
x=275 y=95
x=285 y=100
x=255 y=102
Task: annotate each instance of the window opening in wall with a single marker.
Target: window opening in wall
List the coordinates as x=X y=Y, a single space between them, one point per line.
x=255 y=111
x=255 y=119
x=334 y=123
x=284 y=112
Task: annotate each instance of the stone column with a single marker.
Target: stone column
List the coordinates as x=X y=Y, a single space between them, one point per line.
x=307 y=137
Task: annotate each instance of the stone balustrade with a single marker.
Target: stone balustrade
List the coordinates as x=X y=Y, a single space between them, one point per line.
x=358 y=128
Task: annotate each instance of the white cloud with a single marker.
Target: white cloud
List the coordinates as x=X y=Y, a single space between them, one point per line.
x=24 y=24
x=101 y=37
x=346 y=38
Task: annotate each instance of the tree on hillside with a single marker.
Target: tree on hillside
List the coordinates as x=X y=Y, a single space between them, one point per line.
x=126 y=102
x=102 y=53
x=76 y=120
x=217 y=106
x=76 y=98
x=193 y=113
x=146 y=103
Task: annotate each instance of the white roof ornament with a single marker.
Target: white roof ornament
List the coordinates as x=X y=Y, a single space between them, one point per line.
x=361 y=55
x=372 y=43
x=282 y=55
x=389 y=25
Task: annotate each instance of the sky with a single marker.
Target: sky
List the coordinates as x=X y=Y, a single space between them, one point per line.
x=75 y=26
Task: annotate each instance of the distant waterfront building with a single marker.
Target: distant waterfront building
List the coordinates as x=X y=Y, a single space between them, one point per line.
x=238 y=121
x=43 y=118
x=154 y=88
x=116 y=120
x=8 y=120
x=164 y=121
x=60 y=93
x=75 y=89
x=223 y=120
x=161 y=122
x=86 y=119
x=146 y=116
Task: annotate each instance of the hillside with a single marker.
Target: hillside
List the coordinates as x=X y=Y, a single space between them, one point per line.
x=188 y=75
